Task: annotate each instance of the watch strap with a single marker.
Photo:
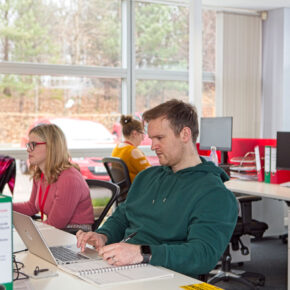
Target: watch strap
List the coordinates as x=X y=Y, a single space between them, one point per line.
x=146 y=253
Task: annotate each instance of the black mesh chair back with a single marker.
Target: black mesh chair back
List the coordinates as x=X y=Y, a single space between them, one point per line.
x=7 y=172
x=96 y=186
x=119 y=174
x=245 y=226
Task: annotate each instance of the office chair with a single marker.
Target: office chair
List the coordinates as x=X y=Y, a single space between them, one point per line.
x=119 y=174
x=245 y=226
x=95 y=187
x=7 y=172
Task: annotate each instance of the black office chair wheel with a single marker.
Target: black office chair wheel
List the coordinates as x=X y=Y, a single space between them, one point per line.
x=261 y=282
x=245 y=251
x=284 y=238
x=256 y=279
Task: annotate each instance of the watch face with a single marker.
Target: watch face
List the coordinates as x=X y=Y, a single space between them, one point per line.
x=145 y=250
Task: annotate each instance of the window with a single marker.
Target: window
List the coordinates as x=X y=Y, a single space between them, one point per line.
x=71 y=32
x=150 y=93
x=45 y=96
x=73 y=58
x=161 y=36
x=208 y=62
x=61 y=59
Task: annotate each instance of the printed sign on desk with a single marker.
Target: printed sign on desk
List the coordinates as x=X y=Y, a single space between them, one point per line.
x=6 y=278
x=200 y=286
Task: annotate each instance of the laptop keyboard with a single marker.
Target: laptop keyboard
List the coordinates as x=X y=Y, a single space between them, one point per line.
x=64 y=254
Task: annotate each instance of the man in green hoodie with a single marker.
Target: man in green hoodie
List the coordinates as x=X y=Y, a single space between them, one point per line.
x=180 y=212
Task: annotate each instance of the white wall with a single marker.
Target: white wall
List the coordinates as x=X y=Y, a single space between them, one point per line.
x=286 y=86
x=276 y=73
x=238 y=71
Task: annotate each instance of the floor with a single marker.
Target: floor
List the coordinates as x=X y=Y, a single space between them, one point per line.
x=269 y=257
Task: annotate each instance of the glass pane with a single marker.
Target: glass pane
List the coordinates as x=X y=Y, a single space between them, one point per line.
x=208 y=100
x=24 y=100
x=208 y=40
x=151 y=93
x=208 y=61
x=161 y=36
x=61 y=32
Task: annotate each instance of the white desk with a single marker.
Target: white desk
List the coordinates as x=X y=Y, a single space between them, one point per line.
x=67 y=281
x=264 y=190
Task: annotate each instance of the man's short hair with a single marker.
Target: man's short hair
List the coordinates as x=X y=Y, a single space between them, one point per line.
x=178 y=113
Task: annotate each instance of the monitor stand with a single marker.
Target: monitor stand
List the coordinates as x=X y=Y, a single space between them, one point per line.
x=224 y=162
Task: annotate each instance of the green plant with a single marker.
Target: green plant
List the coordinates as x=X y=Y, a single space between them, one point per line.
x=101 y=201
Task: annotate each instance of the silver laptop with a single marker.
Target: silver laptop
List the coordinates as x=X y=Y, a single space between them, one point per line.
x=35 y=243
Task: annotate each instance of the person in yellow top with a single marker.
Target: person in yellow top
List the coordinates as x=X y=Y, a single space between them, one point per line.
x=127 y=150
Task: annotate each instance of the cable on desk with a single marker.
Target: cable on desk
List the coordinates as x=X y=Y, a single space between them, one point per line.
x=16 y=252
x=17 y=274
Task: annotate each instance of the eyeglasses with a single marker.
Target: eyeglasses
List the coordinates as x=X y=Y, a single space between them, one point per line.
x=31 y=145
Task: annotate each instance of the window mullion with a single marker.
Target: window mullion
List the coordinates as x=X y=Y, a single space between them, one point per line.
x=60 y=70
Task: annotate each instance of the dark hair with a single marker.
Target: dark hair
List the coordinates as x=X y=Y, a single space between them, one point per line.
x=178 y=113
x=129 y=124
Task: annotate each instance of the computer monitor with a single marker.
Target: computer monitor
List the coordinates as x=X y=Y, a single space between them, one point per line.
x=283 y=150
x=217 y=132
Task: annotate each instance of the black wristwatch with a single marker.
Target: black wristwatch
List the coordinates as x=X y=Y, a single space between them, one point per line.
x=146 y=253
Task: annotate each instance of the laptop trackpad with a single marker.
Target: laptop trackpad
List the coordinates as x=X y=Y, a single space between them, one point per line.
x=89 y=252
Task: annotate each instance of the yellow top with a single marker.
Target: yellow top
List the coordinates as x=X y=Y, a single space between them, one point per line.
x=134 y=158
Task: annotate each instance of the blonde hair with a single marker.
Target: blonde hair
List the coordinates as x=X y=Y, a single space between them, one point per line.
x=57 y=155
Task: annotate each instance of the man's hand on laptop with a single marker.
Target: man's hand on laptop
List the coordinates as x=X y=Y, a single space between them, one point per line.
x=92 y=238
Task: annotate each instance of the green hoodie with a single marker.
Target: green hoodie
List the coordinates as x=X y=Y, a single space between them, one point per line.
x=186 y=217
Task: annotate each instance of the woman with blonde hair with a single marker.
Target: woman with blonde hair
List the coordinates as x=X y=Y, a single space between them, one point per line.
x=127 y=150
x=59 y=191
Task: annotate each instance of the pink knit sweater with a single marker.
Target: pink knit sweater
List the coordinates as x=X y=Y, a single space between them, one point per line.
x=68 y=201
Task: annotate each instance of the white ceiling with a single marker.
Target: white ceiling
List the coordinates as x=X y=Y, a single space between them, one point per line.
x=259 y=5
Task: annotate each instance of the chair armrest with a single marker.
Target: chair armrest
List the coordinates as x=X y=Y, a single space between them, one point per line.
x=246 y=208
